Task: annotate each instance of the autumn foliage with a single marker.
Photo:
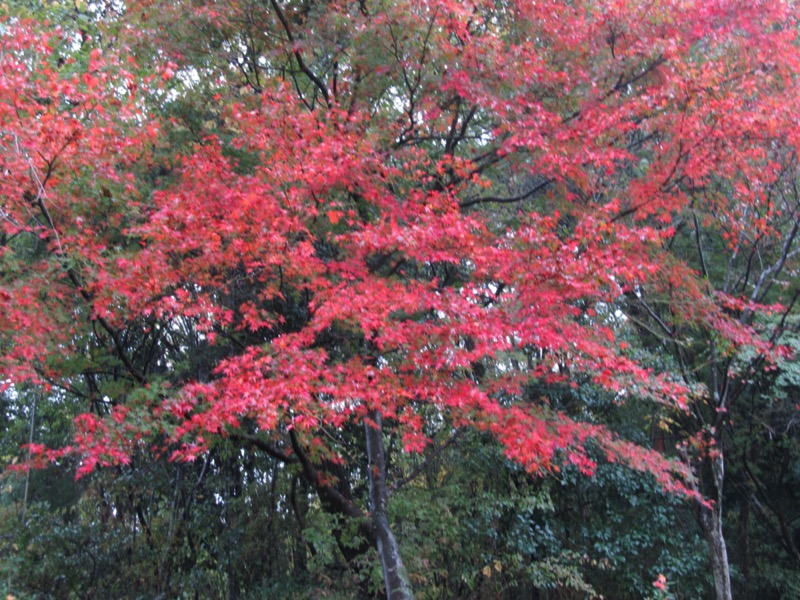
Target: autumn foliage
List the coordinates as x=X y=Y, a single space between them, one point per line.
x=414 y=209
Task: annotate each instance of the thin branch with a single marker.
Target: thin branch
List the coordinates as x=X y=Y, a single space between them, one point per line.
x=699 y=243
x=267 y=448
x=299 y=56
x=329 y=494
x=423 y=466
x=507 y=200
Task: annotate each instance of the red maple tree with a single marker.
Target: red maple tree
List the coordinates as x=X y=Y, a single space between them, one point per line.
x=394 y=215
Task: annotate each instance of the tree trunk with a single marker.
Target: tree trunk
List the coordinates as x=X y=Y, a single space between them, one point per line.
x=711 y=521
x=394 y=571
x=712 y=526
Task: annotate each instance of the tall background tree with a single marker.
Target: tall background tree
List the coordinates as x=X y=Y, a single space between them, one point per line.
x=276 y=264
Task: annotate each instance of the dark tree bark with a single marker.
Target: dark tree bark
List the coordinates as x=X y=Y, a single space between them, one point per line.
x=394 y=571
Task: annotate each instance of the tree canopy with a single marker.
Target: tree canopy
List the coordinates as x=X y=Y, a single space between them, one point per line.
x=321 y=244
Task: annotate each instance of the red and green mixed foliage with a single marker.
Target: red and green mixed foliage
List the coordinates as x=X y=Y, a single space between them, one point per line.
x=411 y=209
